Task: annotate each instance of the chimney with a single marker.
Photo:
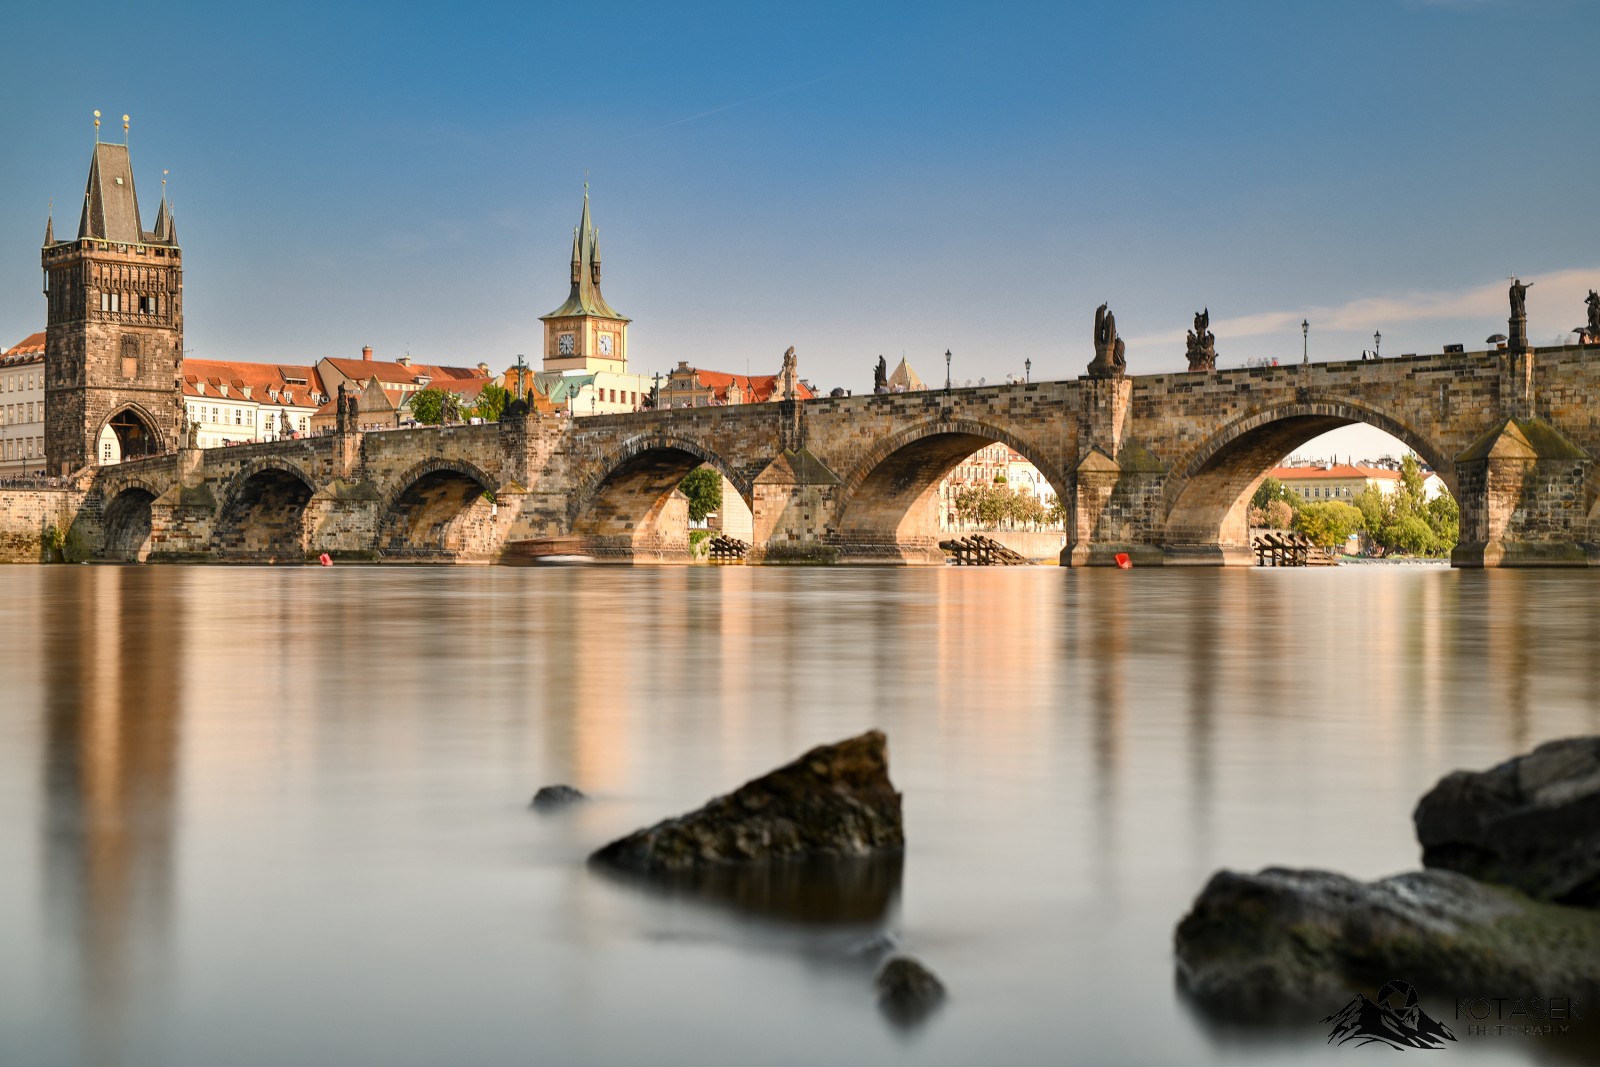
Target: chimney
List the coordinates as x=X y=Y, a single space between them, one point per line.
x=366 y=353
x=483 y=370
x=404 y=361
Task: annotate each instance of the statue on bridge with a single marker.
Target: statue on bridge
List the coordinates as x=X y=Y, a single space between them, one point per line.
x=880 y=378
x=788 y=383
x=1202 y=343
x=1109 y=360
x=1592 y=330
x=1519 y=315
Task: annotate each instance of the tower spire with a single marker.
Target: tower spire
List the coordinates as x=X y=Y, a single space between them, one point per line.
x=50 y=225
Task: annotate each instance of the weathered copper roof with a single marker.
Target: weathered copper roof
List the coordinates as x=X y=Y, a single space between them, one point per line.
x=585 y=298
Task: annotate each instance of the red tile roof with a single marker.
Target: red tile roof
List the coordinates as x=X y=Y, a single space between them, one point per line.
x=1337 y=470
x=757 y=388
x=263 y=379
x=397 y=373
x=28 y=350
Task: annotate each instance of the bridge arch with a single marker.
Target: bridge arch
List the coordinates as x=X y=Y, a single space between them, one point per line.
x=887 y=506
x=125 y=521
x=263 y=512
x=129 y=432
x=1207 y=493
x=438 y=509
x=622 y=504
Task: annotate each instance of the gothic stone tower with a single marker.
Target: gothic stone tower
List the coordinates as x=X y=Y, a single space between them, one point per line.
x=585 y=334
x=114 y=326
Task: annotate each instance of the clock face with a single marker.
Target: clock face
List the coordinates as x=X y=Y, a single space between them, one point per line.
x=564 y=344
x=605 y=344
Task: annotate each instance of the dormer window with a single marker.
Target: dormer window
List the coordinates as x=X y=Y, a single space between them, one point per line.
x=222 y=390
x=200 y=387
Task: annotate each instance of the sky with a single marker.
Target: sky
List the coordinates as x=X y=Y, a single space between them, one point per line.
x=854 y=180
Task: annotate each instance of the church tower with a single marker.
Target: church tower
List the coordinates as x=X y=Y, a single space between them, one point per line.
x=585 y=334
x=114 y=325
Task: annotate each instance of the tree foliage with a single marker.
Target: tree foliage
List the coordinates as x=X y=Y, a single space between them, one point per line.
x=703 y=487
x=1405 y=521
x=995 y=505
x=1329 y=523
x=492 y=400
x=433 y=407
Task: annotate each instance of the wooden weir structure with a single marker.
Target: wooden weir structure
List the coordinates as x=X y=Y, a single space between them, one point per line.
x=979 y=551
x=1278 y=548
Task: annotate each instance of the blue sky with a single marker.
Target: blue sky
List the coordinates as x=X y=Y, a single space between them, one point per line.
x=851 y=179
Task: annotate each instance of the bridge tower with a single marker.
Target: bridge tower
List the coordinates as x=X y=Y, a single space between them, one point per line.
x=585 y=334
x=114 y=325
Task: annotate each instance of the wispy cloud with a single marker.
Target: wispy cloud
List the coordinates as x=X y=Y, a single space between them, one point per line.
x=739 y=103
x=1551 y=293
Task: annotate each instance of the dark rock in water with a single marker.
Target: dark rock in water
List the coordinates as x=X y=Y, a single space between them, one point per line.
x=835 y=801
x=908 y=991
x=1264 y=946
x=551 y=797
x=855 y=890
x=1532 y=822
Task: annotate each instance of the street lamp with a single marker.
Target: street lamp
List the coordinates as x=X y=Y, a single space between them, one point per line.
x=947 y=372
x=1027 y=370
x=1305 y=342
x=1377 y=339
x=521 y=366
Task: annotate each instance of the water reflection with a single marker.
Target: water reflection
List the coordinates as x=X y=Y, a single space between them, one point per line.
x=356 y=747
x=112 y=648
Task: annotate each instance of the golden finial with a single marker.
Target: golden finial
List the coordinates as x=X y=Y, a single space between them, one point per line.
x=97 y=126
x=124 y=129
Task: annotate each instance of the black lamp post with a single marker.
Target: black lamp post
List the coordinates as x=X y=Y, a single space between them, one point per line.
x=1305 y=342
x=655 y=394
x=1377 y=339
x=947 y=372
x=521 y=367
x=1027 y=370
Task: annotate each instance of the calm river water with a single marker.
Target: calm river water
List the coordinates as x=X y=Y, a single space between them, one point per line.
x=271 y=816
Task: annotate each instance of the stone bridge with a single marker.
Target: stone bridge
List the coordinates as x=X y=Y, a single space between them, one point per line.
x=1159 y=466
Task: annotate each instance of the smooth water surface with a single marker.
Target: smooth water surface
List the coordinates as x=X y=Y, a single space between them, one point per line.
x=270 y=816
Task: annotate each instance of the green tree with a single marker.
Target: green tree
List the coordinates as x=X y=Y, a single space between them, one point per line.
x=492 y=400
x=703 y=487
x=1329 y=523
x=1269 y=490
x=432 y=407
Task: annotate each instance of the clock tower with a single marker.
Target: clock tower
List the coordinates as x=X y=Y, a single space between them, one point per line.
x=584 y=334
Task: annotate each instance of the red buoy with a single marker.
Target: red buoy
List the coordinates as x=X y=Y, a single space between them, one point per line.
x=325 y=559
x=1124 y=561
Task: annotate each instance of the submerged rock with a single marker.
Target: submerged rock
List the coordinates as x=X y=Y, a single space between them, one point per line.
x=551 y=797
x=908 y=991
x=1263 y=945
x=1532 y=822
x=836 y=801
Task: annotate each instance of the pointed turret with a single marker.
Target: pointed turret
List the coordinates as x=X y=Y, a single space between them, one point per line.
x=585 y=298
x=50 y=231
x=163 y=224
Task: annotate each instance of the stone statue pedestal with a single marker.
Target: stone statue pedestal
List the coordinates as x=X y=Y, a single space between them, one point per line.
x=1517 y=334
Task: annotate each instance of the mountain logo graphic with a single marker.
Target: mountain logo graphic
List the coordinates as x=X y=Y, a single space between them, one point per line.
x=1394 y=1019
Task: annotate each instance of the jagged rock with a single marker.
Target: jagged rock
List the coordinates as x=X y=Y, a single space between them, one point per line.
x=908 y=991
x=1532 y=822
x=551 y=797
x=835 y=801
x=1266 y=945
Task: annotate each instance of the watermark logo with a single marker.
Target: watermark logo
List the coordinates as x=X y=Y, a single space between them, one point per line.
x=1394 y=1019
